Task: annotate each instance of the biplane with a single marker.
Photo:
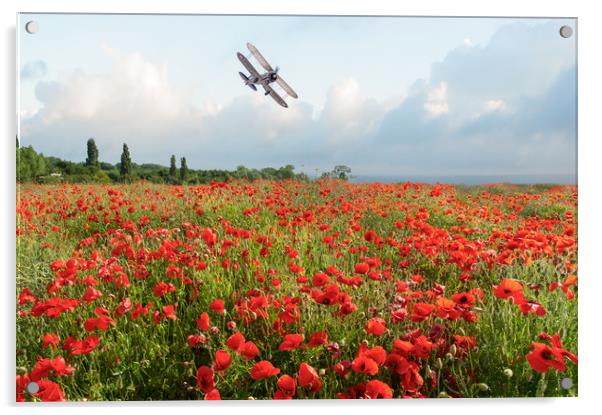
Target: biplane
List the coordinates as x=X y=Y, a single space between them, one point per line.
x=265 y=79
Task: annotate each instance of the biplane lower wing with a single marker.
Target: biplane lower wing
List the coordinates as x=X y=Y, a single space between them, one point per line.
x=269 y=91
x=286 y=87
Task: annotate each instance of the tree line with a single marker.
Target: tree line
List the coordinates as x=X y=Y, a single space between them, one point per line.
x=33 y=166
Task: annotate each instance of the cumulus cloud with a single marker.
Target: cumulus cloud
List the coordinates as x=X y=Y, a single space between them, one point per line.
x=489 y=109
x=499 y=110
x=33 y=70
x=436 y=100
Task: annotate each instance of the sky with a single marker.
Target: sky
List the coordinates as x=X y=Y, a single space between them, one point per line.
x=390 y=97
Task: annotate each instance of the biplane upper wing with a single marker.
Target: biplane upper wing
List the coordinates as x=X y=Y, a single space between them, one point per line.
x=247 y=65
x=286 y=87
x=275 y=95
x=259 y=57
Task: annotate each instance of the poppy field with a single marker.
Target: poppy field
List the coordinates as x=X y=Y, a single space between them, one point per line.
x=295 y=290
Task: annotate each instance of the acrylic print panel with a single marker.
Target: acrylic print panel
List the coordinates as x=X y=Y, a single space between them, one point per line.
x=295 y=207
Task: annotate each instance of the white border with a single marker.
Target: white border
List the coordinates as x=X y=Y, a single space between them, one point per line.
x=590 y=179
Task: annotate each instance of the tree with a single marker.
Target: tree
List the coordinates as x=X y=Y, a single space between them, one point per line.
x=125 y=169
x=341 y=172
x=92 y=159
x=172 y=167
x=183 y=169
x=30 y=165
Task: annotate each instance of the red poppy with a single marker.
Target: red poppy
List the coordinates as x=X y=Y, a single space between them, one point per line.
x=26 y=296
x=290 y=342
x=508 y=288
x=195 y=339
x=263 y=370
x=397 y=363
x=249 y=350
x=557 y=346
x=411 y=380
x=123 y=307
x=204 y=322
x=421 y=311
x=50 y=339
x=542 y=358
x=49 y=391
x=308 y=378
x=83 y=347
x=377 y=353
x=140 y=310
x=375 y=389
x=204 y=379
x=527 y=306
x=222 y=360
x=320 y=279
x=362 y=268
x=22 y=382
x=464 y=300
x=287 y=387
x=376 y=326
x=422 y=347
x=318 y=338
x=45 y=367
x=364 y=364
x=213 y=395
x=91 y=294
x=235 y=341
x=169 y=312
x=102 y=322
x=217 y=306
x=162 y=288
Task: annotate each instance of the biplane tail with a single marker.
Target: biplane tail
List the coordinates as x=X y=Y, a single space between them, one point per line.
x=246 y=79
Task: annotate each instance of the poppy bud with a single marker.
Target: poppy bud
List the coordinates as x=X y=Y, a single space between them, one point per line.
x=483 y=387
x=449 y=356
x=322 y=372
x=453 y=349
x=443 y=394
x=231 y=325
x=214 y=331
x=439 y=363
x=428 y=372
x=508 y=372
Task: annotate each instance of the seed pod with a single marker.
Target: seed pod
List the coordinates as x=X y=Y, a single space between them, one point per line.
x=483 y=387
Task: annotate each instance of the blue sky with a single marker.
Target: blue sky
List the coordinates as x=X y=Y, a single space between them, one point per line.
x=386 y=96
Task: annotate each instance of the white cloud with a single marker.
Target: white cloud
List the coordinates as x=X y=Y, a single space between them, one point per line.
x=347 y=113
x=436 y=103
x=495 y=105
x=521 y=123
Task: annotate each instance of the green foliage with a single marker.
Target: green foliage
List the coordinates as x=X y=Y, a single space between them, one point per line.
x=340 y=172
x=92 y=159
x=125 y=168
x=172 y=167
x=36 y=167
x=183 y=169
x=30 y=165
